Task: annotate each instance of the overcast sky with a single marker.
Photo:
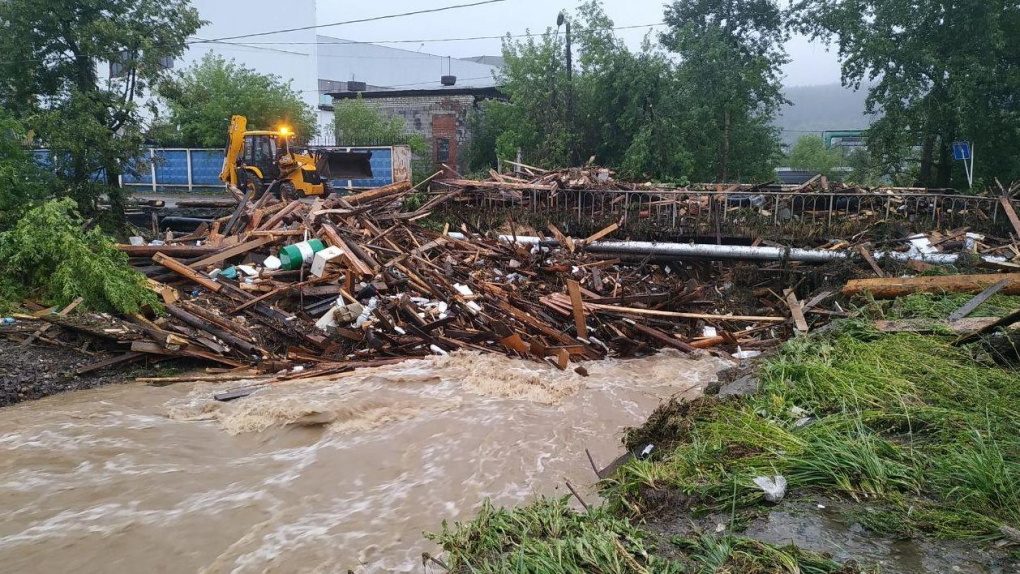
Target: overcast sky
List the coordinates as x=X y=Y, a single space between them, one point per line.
x=811 y=64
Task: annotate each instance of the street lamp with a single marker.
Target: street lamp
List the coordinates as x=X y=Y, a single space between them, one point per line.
x=561 y=19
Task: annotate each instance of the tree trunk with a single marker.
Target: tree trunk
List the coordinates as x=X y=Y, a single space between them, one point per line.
x=944 y=173
x=726 y=148
x=927 y=151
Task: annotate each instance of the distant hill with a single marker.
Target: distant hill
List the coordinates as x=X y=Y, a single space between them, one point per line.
x=821 y=108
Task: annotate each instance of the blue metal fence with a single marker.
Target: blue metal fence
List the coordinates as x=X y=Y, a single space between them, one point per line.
x=191 y=168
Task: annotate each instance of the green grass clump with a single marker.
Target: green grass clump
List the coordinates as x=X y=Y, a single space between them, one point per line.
x=906 y=422
x=928 y=306
x=47 y=255
x=548 y=537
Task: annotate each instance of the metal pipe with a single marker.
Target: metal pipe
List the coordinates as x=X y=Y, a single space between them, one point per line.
x=742 y=252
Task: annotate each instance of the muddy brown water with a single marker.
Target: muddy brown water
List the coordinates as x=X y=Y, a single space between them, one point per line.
x=307 y=478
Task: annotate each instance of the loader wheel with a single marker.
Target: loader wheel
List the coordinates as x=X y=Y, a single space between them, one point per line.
x=288 y=192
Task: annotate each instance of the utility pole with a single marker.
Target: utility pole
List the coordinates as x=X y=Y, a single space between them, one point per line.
x=561 y=20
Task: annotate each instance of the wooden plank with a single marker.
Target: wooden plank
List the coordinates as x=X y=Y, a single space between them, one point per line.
x=892 y=287
x=578 y=307
x=797 y=312
x=866 y=254
x=1007 y=321
x=63 y=313
x=976 y=302
x=663 y=338
x=220 y=256
x=601 y=234
x=675 y=315
x=124 y=358
x=562 y=239
x=182 y=269
x=1010 y=213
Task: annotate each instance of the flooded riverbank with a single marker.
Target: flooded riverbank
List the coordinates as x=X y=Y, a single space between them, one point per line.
x=312 y=478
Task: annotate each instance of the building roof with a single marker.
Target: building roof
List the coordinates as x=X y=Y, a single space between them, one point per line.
x=346 y=60
x=491 y=92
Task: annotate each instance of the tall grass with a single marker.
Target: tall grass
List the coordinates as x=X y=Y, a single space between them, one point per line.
x=906 y=421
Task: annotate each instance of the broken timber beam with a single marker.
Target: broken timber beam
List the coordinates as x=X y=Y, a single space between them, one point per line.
x=892 y=287
x=182 y=269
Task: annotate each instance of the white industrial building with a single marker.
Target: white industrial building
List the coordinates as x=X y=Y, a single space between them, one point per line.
x=316 y=64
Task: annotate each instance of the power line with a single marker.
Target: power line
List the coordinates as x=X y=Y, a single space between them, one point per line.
x=361 y=20
x=427 y=41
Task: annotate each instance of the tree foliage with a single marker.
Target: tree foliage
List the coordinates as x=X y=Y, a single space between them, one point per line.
x=731 y=58
x=22 y=181
x=941 y=72
x=202 y=99
x=811 y=154
x=49 y=78
x=48 y=255
x=646 y=112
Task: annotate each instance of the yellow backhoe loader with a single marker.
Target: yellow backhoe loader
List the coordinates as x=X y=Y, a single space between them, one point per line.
x=264 y=161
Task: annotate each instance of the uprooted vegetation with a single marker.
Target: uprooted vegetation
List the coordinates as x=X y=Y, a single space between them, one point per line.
x=48 y=256
x=550 y=537
x=922 y=430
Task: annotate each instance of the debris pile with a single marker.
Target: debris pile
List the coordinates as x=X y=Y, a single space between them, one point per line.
x=328 y=285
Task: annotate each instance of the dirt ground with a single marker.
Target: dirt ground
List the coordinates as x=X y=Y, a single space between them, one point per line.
x=36 y=371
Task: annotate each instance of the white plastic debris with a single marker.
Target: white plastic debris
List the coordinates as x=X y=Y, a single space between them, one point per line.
x=741 y=354
x=463 y=290
x=136 y=240
x=774 y=488
x=323 y=257
x=707 y=331
x=438 y=351
x=272 y=263
x=367 y=313
x=647 y=451
x=247 y=270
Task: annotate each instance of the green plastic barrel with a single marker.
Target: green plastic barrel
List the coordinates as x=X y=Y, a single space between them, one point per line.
x=294 y=256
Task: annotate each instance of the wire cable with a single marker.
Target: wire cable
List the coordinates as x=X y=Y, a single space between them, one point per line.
x=360 y=20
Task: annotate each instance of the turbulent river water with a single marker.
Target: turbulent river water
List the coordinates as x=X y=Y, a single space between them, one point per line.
x=320 y=477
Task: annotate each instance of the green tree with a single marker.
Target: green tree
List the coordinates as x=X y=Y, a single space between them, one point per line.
x=22 y=181
x=49 y=78
x=941 y=72
x=202 y=99
x=811 y=154
x=731 y=57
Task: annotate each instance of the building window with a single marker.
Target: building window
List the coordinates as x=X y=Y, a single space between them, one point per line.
x=442 y=150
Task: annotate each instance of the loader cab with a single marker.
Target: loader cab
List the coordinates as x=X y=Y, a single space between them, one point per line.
x=263 y=149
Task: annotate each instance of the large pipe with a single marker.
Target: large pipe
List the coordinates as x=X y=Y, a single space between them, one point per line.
x=748 y=253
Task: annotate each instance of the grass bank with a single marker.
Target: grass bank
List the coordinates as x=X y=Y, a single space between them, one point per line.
x=921 y=438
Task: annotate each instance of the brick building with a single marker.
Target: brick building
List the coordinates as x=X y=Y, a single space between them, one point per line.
x=439 y=115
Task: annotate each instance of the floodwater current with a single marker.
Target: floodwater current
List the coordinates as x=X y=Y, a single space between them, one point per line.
x=314 y=477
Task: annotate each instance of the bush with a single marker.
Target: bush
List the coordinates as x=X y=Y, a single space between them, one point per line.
x=47 y=255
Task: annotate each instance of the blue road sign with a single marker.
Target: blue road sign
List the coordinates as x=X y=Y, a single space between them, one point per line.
x=961 y=151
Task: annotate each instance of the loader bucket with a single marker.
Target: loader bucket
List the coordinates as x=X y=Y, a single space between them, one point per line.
x=333 y=164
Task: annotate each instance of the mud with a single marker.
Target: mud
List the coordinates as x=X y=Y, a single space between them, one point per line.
x=36 y=371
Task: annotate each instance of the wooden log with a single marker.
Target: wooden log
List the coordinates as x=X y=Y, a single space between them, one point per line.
x=186 y=251
x=892 y=287
x=378 y=193
x=240 y=249
x=182 y=269
x=202 y=325
x=276 y=219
